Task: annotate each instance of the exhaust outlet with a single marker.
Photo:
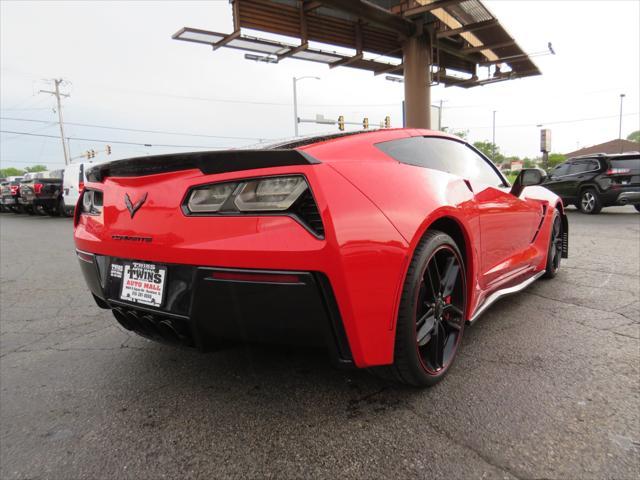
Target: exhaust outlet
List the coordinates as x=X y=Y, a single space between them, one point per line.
x=123 y=319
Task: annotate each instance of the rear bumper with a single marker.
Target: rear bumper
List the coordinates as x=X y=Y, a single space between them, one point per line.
x=38 y=202
x=621 y=196
x=628 y=198
x=204 y=311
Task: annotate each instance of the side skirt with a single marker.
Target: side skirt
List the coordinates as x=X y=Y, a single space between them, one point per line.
x=501 y=293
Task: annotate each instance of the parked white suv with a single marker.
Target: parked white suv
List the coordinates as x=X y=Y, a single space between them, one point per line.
x=73 y=183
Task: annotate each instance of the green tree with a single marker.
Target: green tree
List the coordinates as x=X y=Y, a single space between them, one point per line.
x=488 y=149
x=556 y=159
x=458 y=133
x=10 y=172
x=634 y=136
x=36 y=168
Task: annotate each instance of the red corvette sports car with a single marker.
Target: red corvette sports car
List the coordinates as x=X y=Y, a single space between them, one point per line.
x=379 y=245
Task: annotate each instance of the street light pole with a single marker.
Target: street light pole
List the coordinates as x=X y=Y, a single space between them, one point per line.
x=295 y=101
x=620 y=128
x=493 y=142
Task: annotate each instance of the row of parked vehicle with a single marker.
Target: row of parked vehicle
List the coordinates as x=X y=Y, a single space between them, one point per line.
x=52 y=193
x=589 y=182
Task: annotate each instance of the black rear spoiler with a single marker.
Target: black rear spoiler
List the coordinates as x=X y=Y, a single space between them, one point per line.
x=207 y=162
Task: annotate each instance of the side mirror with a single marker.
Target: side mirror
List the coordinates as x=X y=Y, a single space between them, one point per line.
x=526 y=178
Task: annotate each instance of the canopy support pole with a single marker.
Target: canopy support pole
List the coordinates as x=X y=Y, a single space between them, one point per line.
x=416 y=52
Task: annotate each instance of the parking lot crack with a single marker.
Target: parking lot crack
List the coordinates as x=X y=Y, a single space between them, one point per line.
x=615 y=312
x=493 y=462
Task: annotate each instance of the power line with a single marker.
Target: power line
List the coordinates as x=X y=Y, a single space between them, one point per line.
x=111 y=141
x=164 y=132
x=43 y=127
x=556 y=122
x=27 y=108
x=236 y=101
x=31 y=162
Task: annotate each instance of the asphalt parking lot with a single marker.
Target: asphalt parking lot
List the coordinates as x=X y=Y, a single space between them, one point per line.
x=546 y=385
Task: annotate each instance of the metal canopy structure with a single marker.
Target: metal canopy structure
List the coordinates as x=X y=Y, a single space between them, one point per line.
x=450 y=42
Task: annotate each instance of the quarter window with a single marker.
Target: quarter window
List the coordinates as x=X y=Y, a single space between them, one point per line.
x=561 y=170
x=445 y=155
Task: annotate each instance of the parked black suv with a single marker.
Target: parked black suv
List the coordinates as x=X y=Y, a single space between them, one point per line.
x=595 y=181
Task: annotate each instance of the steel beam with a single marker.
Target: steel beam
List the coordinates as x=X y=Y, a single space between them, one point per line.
x=225 y=40
x=417 y=9
x=512 y=59
x=490 y=46
x=391 y=69
x=473 y=27
x=374 y=14
x=293 y=51
x=309 y=6
x=346 y=61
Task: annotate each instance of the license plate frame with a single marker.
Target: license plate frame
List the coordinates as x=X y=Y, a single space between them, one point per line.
x=143 y=283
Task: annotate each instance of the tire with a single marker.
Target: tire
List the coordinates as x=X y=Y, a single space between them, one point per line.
x=637 y=207
x=62 y=208
x=430 y=320
x=53 y=211
x=589 y=202
x=554 y=252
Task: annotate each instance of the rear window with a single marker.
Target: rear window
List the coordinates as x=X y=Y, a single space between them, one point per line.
x=632 y=164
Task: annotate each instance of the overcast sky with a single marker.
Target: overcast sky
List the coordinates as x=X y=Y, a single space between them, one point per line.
x=124 y=70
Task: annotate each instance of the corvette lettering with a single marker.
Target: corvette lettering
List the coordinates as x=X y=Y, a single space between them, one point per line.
x=130 y=238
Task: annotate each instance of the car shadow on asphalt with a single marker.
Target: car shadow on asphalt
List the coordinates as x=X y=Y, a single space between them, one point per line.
x=276 y=378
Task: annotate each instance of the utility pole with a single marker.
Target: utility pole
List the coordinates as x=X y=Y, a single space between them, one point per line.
x=620 y=128
x=57 y=94
x=440 y=117
x=493 y=142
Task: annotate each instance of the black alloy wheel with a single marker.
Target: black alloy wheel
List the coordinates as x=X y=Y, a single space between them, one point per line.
x=431 y=316
x=554 y=254
x=440 y=310
x=589 y=202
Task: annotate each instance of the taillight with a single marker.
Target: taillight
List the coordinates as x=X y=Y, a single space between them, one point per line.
x=272 y=194
x=81 y=186
x=90 y=202
x=618 y=171
x=37 y=188
x=285 y=195
x=14 y=189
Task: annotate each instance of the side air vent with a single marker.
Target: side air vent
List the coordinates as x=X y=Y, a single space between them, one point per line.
x=307 y=212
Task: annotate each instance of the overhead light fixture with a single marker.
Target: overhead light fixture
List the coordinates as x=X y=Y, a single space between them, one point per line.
x=260 y=58
x=391 y=78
